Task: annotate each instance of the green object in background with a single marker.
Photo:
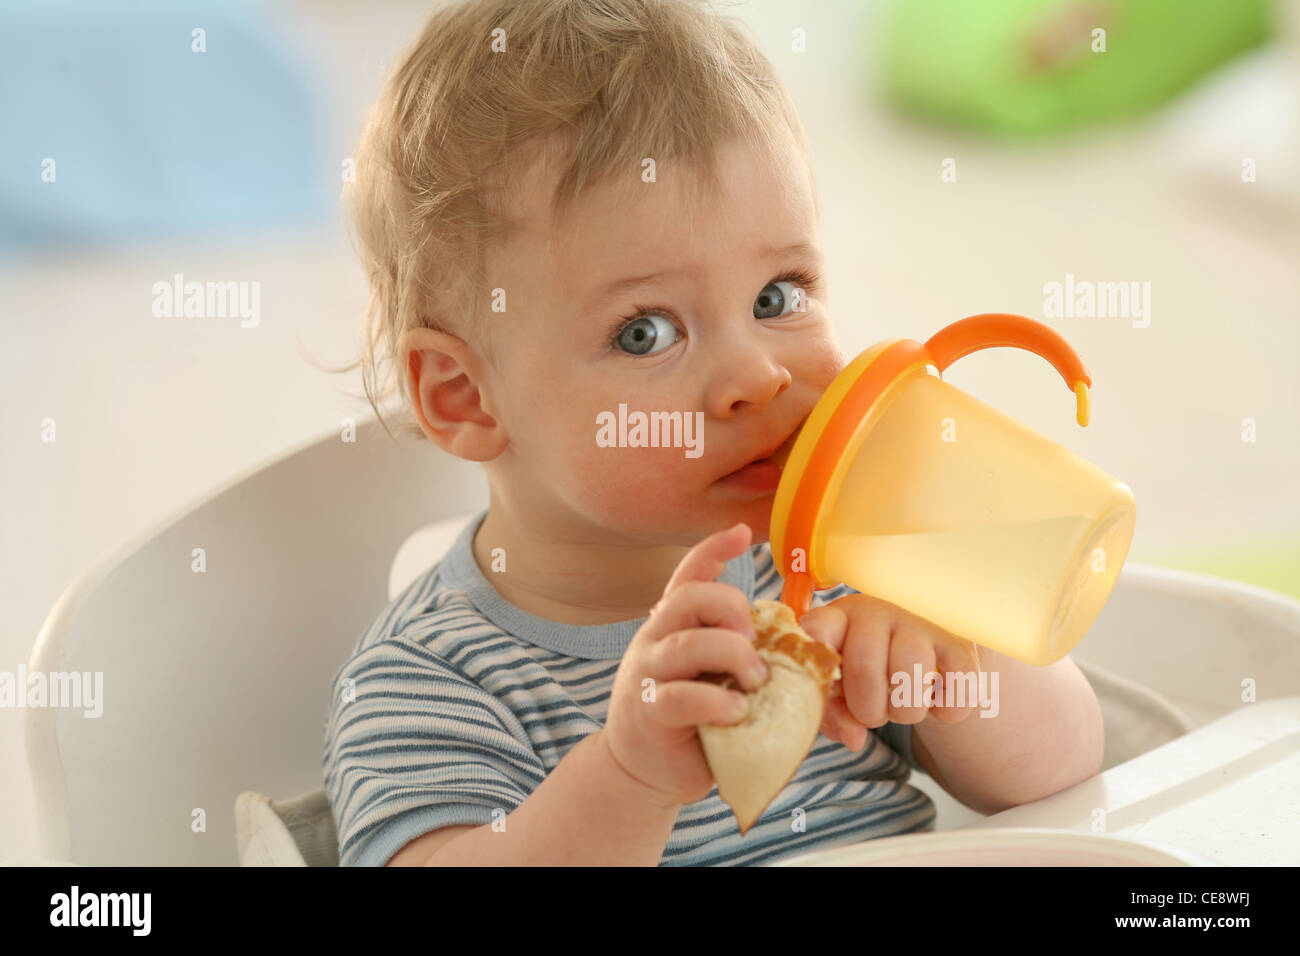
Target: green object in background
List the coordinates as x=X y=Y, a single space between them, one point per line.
x=1271 y=565
x=1027 y=67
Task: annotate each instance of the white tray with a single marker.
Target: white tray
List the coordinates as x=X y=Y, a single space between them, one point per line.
x=999 y=847
x=1228 y=791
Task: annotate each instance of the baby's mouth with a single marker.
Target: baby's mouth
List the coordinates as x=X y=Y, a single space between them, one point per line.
x=765 y=472
x=781 y=454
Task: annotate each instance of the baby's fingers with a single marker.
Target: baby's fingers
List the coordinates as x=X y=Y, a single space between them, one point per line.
x=700 y=604
x=688 y=703
x=839 y=724
x=709 y=558
x=828 y=624
x=958 y=661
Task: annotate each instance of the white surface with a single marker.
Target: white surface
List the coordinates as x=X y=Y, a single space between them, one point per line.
x=151 y=415
x=34 y=861
x=1229 y=791
x=218 y=682
x=1000 y=847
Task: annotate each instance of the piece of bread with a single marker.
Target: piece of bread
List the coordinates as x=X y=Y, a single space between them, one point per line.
x=754 y=759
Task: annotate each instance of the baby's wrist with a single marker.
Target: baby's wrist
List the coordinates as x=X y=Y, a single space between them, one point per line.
x=624 y=785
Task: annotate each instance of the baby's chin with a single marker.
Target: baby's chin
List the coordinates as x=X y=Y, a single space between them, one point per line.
x=758 y=515
x=687 y=523
x=725 y=505
x=719 y=516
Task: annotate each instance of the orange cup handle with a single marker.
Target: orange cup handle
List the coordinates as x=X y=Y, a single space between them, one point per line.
x=797 y=593
x=997 y=329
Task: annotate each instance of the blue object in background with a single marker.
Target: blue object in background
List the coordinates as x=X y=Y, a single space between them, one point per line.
x=150 y=138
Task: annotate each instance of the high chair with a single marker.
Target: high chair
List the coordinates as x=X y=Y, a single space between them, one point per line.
x=215 y=681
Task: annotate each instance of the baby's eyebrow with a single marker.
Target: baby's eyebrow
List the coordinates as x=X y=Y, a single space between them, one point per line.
x=765 y=252
x=619 y=286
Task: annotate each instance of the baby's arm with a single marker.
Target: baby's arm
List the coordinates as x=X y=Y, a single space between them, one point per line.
x=415 y=749
x=1048 y=735
x=1045 y=735
x=587 y=812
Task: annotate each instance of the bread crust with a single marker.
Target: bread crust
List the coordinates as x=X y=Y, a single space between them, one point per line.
x=776 y=629
x=755 y=758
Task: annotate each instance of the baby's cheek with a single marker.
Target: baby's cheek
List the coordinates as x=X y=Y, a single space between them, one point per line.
x=817 y=365
x=645 y=489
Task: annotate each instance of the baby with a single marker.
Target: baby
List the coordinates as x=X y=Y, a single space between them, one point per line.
x=576 y=214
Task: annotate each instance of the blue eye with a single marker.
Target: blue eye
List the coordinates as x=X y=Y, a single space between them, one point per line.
x=643 y=334
x=652 y=329
x=773 y=301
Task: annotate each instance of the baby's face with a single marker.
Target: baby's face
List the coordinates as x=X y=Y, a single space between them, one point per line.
x=719 y=335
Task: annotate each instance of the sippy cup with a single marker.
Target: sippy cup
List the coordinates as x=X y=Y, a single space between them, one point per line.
x=913 y=491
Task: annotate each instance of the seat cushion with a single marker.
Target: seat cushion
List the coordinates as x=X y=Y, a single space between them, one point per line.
x=298 y=831
x=1137 y=719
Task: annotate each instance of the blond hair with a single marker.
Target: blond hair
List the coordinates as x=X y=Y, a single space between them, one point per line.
x=461 y=118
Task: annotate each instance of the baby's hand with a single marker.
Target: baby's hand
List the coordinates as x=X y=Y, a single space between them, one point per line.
x=700 y=627
x=877 y=640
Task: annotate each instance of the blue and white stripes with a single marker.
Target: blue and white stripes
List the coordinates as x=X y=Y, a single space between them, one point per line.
x=455 y=705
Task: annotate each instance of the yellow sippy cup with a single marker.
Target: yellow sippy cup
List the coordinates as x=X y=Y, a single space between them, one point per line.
x=911 y=490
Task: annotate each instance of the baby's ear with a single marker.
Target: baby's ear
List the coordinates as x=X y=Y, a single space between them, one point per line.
x=443 y=383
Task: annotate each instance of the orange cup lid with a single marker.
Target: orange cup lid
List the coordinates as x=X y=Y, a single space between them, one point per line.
x=830 y=437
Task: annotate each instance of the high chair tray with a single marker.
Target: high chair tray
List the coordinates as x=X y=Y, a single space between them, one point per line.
x=1228 y=791
x=1000 y=847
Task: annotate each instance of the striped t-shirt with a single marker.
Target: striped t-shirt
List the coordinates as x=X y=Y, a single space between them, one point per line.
x=455 y=704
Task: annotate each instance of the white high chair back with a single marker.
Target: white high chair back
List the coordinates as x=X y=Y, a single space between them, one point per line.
x=217 y=681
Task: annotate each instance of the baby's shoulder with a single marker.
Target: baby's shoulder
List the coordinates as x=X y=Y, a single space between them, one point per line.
x=426 y=610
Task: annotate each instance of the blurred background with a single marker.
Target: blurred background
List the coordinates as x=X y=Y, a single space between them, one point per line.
x=969 y=153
